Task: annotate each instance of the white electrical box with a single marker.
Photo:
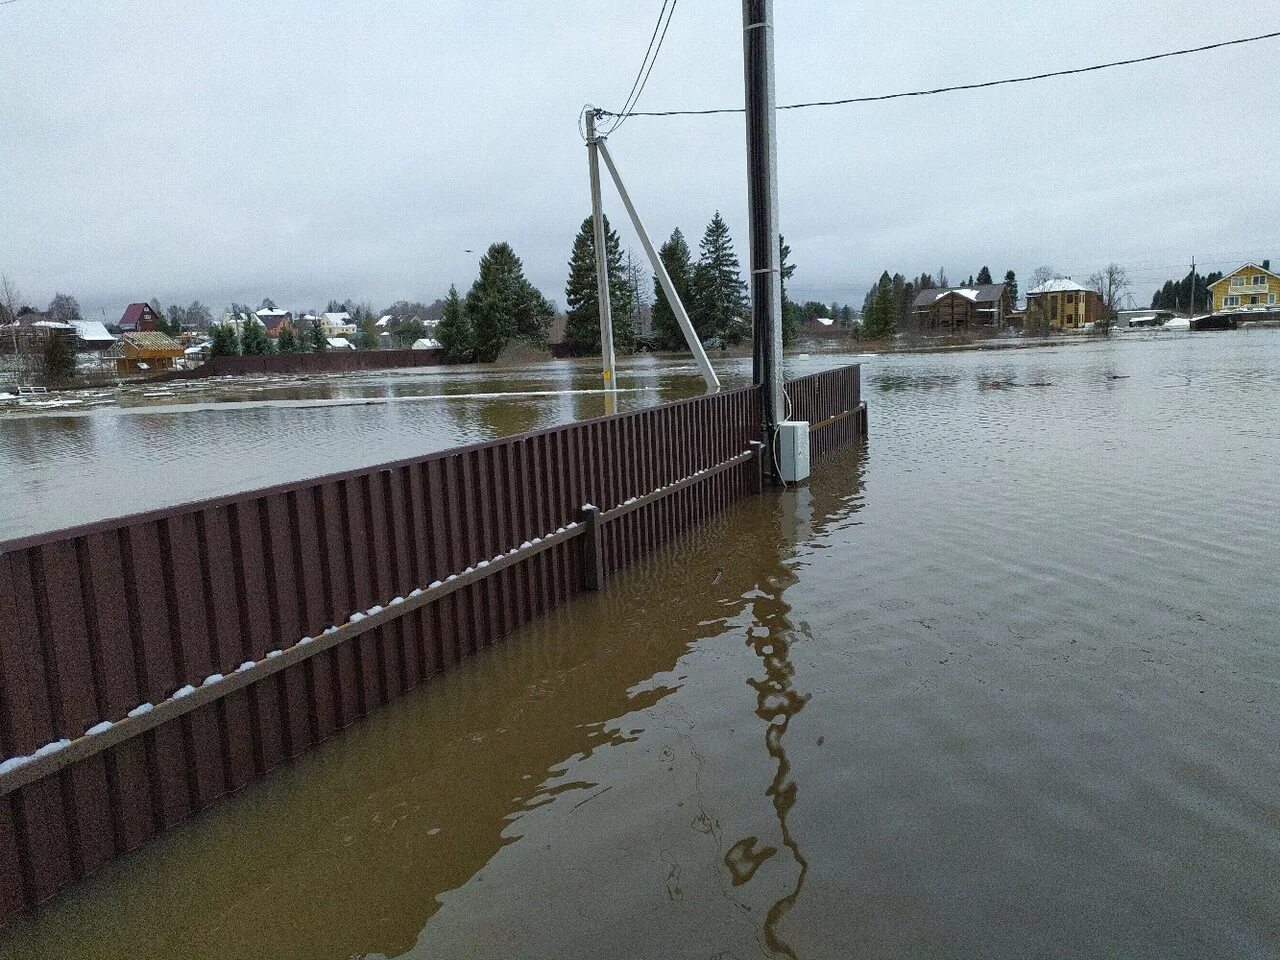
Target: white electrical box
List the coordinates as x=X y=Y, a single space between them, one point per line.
x=793 y=450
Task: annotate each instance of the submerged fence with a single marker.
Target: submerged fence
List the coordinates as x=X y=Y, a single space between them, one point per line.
x=151 y=665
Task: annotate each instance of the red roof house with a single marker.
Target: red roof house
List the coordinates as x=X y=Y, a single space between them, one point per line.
x=138 y=318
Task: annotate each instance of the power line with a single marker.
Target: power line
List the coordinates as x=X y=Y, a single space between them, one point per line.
x=961 y=86
x=627 y=104
x=633 y=100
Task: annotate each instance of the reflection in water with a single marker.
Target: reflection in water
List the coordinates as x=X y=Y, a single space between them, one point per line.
x=771 y=636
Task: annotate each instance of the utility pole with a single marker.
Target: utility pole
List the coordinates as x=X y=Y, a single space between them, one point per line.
x=602 y=258
x=1191 y=311
x=762 y=198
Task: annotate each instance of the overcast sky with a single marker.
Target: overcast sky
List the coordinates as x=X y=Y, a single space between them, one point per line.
x=309 y=150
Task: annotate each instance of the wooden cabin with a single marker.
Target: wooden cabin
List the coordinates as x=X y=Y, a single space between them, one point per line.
x=145 y=352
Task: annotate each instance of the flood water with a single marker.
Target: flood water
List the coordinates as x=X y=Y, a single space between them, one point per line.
x=1005 y=682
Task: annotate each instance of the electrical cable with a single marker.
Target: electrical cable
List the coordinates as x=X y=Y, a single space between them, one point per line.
x=629 y=102
x=656 y=50
x=957 y=87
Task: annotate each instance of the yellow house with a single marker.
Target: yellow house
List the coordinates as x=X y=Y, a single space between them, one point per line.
x=1250 y=289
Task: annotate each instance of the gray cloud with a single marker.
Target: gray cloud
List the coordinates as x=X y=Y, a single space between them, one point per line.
x=305 y=151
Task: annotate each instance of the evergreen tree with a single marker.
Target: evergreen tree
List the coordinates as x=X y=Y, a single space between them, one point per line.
x=454 y=330
x=287 y=342
x=223 y=340
x=366 y=331
x=984 y=276
x=254 y=341
x=882 y=318
x=790 y=310
x=316 y=339
x=503 y=305
x=719 y=295
x=410 y=331
x=581 y=293
x=59 y=356
x=1011 y=281
x=678 y=260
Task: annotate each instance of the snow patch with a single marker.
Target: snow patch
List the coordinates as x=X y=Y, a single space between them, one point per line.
x=98 y=728
x=396 y=601
x=375 y=610
x=272 y=654
x=181 y=692
x=212 y=679
x=356 y=617
x=247 y=665
x=141 y=710
x=482 y=564
x=51 y=748
x=13 y=763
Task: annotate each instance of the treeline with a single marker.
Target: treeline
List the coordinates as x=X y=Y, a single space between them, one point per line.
x=1176 y=294
x=711 y=288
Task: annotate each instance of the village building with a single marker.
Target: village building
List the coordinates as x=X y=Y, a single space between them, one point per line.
x=275 y=321
x=92 y=335
x=337 y=324
x=138 y=317
x=1067 y=304
x=1248 y=289
x=144 y=352
x=957 y=308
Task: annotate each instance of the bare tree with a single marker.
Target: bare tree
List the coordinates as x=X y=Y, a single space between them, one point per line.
x=1111 y=283
x=10 y=299
x=1038 y=322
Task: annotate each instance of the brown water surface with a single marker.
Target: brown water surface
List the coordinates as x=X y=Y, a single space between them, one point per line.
x=1003 y=683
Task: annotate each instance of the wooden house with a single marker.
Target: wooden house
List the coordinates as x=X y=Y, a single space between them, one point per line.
x=145 y=352
x=960 y=308
x=1249 y=289
x=138 y=318
x=1068 y=305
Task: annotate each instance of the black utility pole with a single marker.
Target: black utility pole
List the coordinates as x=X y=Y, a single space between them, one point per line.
x=762 y=198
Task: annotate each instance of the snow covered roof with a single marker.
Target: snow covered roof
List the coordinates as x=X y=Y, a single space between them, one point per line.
x=343 y=317
x=426 y=343
x=1059 y=285
x=982 y=293
x=384 y=321
x=272 y=312
x=340 y=343
x=93 y=331
x=52 y=325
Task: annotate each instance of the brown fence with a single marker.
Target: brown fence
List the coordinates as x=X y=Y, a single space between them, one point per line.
x=832 y=403
x=151 y=665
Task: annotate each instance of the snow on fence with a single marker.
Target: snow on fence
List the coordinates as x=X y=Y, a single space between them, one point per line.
x=151 y=665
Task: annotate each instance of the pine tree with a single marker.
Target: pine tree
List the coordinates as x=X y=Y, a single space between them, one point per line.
x=1011 y=282
x=59 y=356
x=581 y=293
x=678 y=260
x=318 y=341
x=718 y=293
x=223 y=341
x=984 y=276
x=287 y=342
x=885 y=306
x=366 y=331
x=454 y=330
x=503 y=305
x=254 y=341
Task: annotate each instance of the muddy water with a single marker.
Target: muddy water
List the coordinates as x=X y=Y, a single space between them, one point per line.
x=1005 y=682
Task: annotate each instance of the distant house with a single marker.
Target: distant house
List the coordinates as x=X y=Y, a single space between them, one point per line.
x=93 y=335
x=144 y=352
x=987 y=304
x=426 y=343
x=340 y=343
x=1068 y=305
x=1248 y=289
x=275 y=321
x=337 y=324
x=137 y=318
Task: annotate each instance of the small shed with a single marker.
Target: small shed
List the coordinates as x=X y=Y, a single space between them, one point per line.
x=93 y=335
x=426 y=343
x=340 y=343
x=145 y=352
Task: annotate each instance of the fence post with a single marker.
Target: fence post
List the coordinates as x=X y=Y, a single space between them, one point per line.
x=592 y=555
x=757 y=467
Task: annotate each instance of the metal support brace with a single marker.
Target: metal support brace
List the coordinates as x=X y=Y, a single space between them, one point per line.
x=660 y=271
